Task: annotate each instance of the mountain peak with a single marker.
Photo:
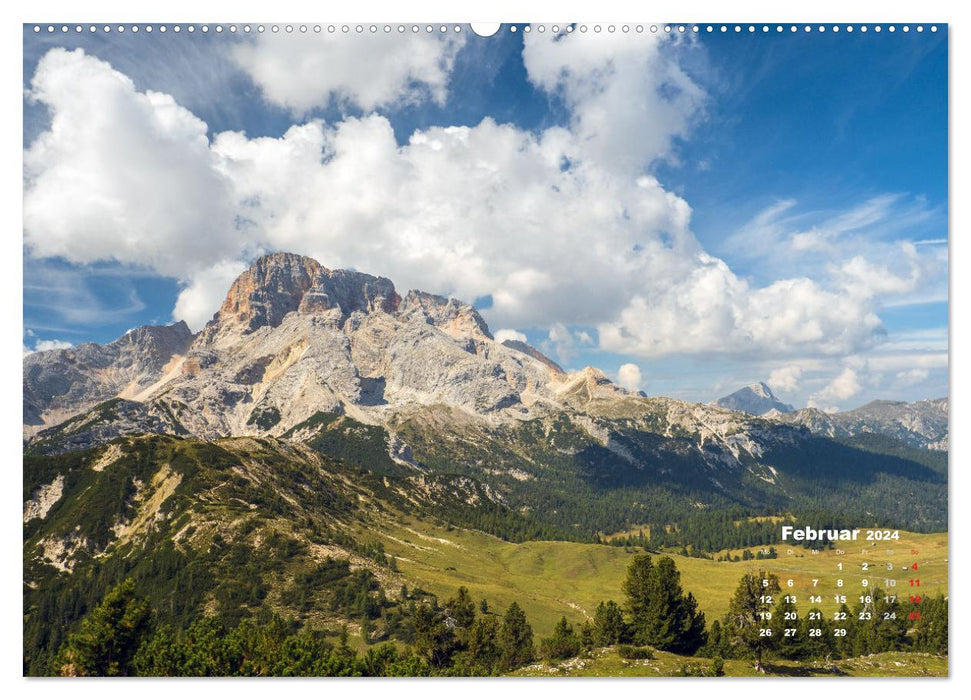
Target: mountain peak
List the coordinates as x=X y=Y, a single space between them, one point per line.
x=273 y=286
x=280 y=283
x=756 y=399
x=761 y=389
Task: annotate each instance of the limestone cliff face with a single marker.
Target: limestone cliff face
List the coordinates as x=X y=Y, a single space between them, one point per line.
x=293 y=338
x=270 y=289
x=281 y=283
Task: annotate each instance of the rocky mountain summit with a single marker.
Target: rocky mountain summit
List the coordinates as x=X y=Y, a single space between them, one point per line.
x=756 y=399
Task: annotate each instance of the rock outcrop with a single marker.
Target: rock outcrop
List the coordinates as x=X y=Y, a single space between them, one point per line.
x=59 y=384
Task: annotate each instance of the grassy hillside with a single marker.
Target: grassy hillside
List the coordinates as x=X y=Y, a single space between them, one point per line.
x=243 y=527
x=551 y=579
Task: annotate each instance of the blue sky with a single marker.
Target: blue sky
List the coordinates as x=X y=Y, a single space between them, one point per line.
x=710 y=210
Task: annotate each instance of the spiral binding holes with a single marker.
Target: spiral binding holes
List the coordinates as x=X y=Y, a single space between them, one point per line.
x=444 y=29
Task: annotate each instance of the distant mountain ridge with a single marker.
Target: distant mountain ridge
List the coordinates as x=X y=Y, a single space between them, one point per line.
x=756 y=399
x=58 y=384
x=922 y=424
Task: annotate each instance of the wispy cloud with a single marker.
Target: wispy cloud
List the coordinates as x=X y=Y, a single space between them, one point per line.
x=60 y=298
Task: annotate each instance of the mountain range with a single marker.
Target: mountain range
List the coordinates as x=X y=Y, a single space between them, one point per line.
x=417 y=384
x=922 y=424
x=293 y=339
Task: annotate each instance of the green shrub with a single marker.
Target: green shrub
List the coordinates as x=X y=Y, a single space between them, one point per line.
x=629 y=651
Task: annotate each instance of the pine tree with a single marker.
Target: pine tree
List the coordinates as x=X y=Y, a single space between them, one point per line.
x=715 y=642
x=107 y=639
x=637 y=587
x=661 y=615
x=461 y=608
x=845 y=633
x=749 y=615
x=434 y=640
x=484 y=643
x=515 y=639
x=817 y=635
x=664 y=610
x=586 y=635
x=693 y=635
x=564 y=643
x=608 y=624
x=786 y=628
x=930 y=630
x=889 y=622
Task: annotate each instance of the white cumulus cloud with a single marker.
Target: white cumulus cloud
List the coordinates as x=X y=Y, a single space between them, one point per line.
x=199 y=299
x=629 y=376
x=560 y=226
x=845 y=385
x=120 y=174
x=785 y=378
x=504 y=334
x=628 y=96
x=912 y=376
x=43 y=345
x=303 y=71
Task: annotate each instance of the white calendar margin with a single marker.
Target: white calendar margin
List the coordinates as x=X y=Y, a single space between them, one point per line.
x=603 y=11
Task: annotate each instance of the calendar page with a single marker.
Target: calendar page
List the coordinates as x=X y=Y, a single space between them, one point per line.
x=537 y=349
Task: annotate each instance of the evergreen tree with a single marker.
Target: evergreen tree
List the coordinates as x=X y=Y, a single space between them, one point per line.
x=661 y=615
x=747 y=623
x=483 y=642
x=564 y=643
x=844 y=632
x=107 y=640
x=434 y=640
x=816 y=635
x=159 y=655
x=664 y=610
x=786 y=628
x=586 y=635
x=716 y=643
x=637 y=588
x=461 y=608
x=693 y=635
x=608 y=624
x=930 y=630
x=515 y=639
x=889 y=622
